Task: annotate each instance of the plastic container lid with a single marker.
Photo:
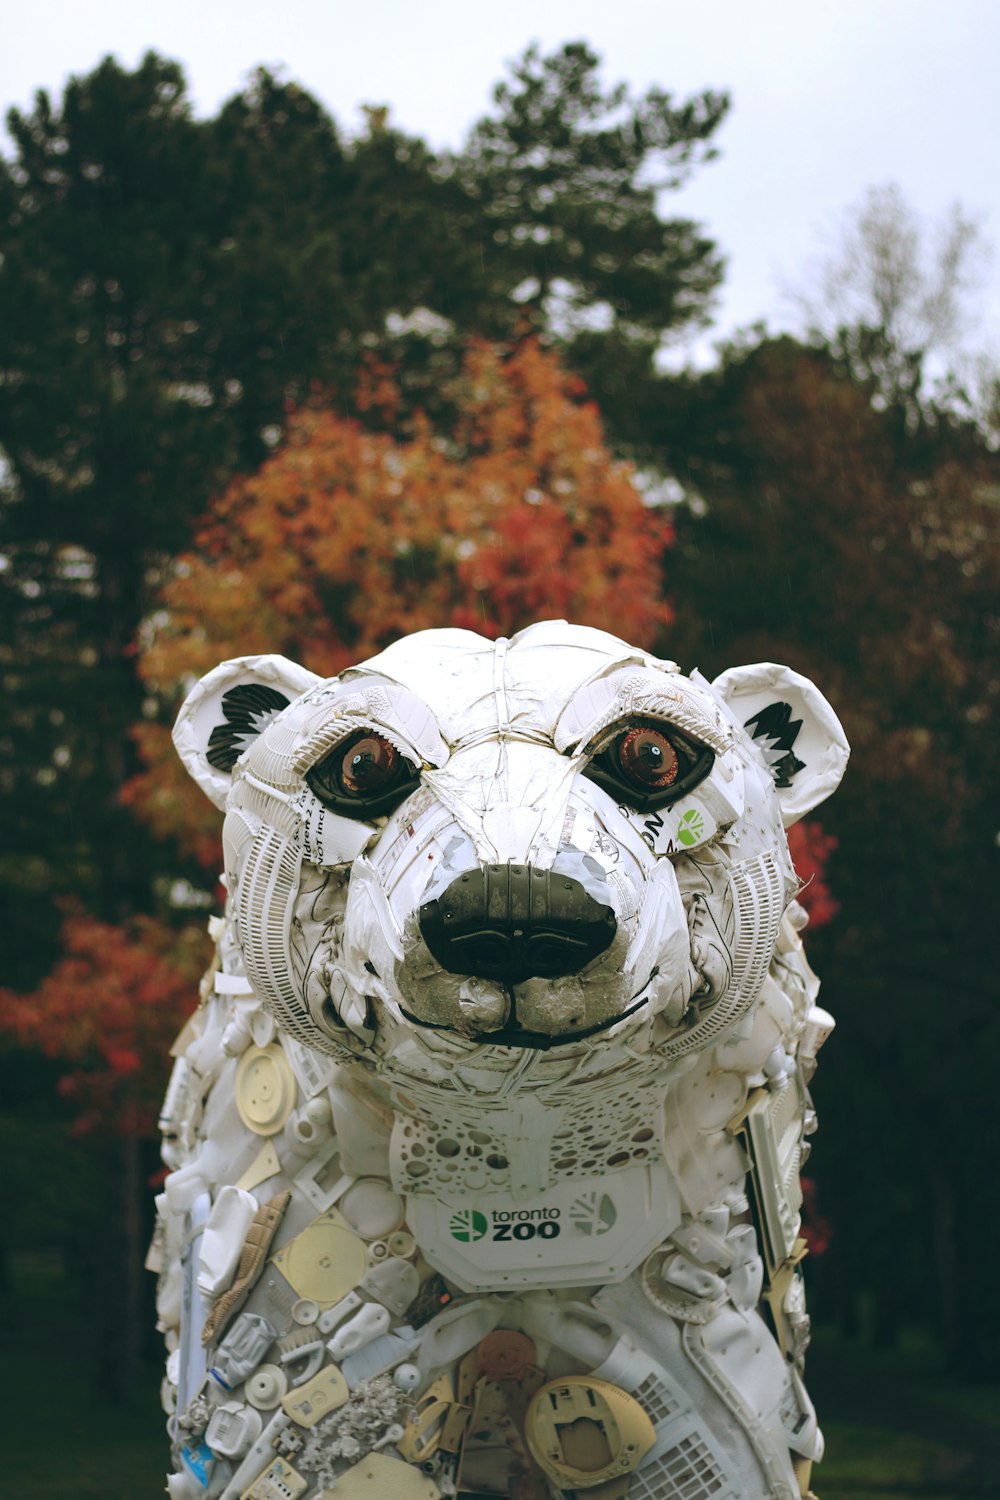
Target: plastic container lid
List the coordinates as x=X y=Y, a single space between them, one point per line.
x=265 y=1089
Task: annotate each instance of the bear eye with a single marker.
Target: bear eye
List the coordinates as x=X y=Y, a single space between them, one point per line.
x=647 y=759
x=649 y=765
x=363 y=776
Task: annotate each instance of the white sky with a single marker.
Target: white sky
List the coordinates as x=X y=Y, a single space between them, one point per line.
x=828 y=99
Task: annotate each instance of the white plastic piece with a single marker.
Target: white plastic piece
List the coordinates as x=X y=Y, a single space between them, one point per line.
x=318 y=1110
x=193 y=1361
x=223 y=1238
x=303 y=1362
x=233 y=1428
x=366 y=1325
x=262 y=1028
x=305 y=1311
x=184 y=1486
x=257 y=1459
x=818 y=1027
x=406 y=1376
x=376 y=1358
x=393 y=1282
x=328 y=1320
x=202 y=711
x=818 y=742
x=372 y=1208
x=322 y=1180
x=265 y=1387
x=242 y=1350
x=457 y=1330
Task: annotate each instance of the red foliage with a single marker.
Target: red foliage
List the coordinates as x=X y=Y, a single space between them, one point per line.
x=109 y=1010
x=810 y=849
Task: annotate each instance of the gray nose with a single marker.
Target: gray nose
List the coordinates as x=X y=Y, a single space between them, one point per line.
x=513 y=922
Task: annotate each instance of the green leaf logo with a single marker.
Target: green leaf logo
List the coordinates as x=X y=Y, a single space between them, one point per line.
x=468 y=1224
x=691 y=827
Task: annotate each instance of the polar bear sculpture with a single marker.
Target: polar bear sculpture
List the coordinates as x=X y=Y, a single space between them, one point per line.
x=485 y=1139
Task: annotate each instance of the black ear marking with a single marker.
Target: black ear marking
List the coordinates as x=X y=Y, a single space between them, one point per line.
x=249 y=708
x=778 y=731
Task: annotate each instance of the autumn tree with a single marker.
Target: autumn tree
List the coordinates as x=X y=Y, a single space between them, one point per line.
x=513 y=510
x=864 y=547
x=170 y=286
x=106 y=1016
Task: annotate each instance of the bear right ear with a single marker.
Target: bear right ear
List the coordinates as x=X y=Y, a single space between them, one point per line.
x=224 y=713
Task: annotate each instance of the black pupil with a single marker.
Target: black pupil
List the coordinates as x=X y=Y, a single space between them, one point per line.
x=647 y=757
x=368 y=765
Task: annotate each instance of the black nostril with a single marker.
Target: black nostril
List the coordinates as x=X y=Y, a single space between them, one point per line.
x=514 y=922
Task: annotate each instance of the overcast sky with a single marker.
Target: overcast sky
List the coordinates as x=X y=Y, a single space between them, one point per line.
x=828 y=99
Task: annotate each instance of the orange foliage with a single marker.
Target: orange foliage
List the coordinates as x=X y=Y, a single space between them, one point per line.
x=346 y=539
x=110 y=1009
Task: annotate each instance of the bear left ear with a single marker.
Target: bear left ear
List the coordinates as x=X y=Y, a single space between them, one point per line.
x=225 y=712
x=797 y=732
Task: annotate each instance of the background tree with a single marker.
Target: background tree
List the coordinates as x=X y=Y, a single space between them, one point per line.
x=866 y=544
x=169 y=287
x=345 y=539
x=895 y=295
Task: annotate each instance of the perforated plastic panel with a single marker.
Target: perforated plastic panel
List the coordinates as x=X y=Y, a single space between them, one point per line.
x=758 y=893
x=688 y=1471
x=460 y=1145
x=264 y=899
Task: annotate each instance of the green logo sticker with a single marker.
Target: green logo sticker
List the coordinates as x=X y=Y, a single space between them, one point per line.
x=468 y=1224
x=691 y=827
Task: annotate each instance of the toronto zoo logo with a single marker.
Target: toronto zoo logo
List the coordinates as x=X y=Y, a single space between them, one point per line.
x=468 y=1224
x=590 y=1214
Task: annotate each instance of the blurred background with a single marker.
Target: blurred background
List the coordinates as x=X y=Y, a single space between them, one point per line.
x=680 y=322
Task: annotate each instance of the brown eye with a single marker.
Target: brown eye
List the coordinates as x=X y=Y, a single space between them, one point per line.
x=648 y=759
x=369 y=765
x=363 y=776
x=646 y=766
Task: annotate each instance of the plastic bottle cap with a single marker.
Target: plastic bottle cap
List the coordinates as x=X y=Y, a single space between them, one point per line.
x=402 y=1244
x=266 y=1386
x=372 y=1208
x=406 y=1377
x=305 y=1310
x=265 y=1089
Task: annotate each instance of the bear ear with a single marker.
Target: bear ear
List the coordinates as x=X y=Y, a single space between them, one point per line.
x=225 y=712
x=797 y=732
